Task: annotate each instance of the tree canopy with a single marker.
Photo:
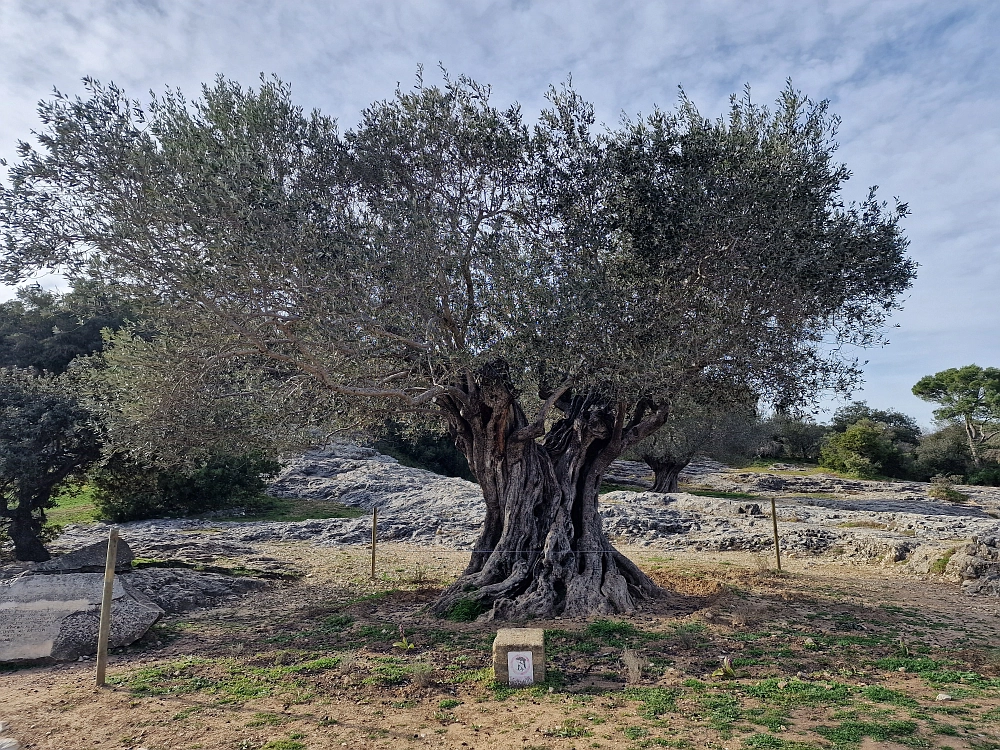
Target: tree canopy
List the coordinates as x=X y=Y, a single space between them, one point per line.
x=45 y=331
x=548 y=290
x=904 y=428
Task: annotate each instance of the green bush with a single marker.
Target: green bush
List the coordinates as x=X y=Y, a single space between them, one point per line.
x=127 y=490
x=988 y=476
x=942 y=488
x=864 y=450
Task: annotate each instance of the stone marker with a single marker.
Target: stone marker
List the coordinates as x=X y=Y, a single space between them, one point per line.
x=519 y=656
x=56 y=616
x=89 y=559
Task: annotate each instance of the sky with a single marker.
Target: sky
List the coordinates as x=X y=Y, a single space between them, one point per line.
x=916 y=83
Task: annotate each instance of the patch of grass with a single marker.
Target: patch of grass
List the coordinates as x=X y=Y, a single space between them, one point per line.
x=794 y=693
x=941 y=564
x=850 y=733
x=723 y=711
x=336 y=623
x=720 y=494
x=607 y=487
x=464 y=610
x=233 y=681
x=388 y=670
x=284 y=745
x=73 y=504
x=770 y=742
x=449 y=703
x=298 y=509
x=937 y=673
x=634 y=733
x=613 y=633
x=655 y=701
x=879 y=694
x=569 y=728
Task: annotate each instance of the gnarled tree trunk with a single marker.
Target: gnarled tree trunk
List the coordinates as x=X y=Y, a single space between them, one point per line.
x=666 y=472
x=23 y=531
x=542 y=551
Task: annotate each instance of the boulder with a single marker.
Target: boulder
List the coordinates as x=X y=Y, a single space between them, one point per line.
x=55 y=617
x=182 y=590
x=89 y=559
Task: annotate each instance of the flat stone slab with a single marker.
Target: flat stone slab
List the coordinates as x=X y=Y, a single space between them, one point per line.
x=89 y=559
x=55 y=617
x=519 y=656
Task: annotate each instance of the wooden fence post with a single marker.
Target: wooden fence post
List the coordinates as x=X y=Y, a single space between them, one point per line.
x=109 y=586
x=774 y=521
x=374 y=535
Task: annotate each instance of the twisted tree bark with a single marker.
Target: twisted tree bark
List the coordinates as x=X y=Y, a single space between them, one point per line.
x=542 y=551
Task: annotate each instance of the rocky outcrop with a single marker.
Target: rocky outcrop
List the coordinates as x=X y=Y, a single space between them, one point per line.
x=182 y=590
x=89 y=559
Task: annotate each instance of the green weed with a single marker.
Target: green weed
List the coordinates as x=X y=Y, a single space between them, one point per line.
x=850 y=733
x=464 y=610
x=655 y=701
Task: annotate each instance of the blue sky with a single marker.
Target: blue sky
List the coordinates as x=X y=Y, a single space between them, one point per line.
x=916 y=83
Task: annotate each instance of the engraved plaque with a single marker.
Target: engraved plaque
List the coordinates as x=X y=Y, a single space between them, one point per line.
x=520 y=669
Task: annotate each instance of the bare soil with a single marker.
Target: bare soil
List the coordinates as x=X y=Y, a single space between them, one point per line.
x=735 y=655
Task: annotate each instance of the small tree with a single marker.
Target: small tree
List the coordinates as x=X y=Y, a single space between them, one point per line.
x=546 y=292
x=45 y=437
x=693 y=429
x=968 y=395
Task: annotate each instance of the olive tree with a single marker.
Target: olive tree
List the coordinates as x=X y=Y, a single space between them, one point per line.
x=717 y=429
x=547 y=291
x=46 y=436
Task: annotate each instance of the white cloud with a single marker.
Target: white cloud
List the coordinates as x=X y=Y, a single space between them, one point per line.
x=915 y=82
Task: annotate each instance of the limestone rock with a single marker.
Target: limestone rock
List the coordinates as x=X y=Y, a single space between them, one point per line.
x=89 y=559
x=182 y=590
x=56 y=616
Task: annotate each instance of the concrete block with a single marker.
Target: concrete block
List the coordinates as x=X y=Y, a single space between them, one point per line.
x=519 y=656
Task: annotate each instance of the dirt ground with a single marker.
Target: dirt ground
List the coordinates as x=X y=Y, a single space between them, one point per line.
x=824 y=655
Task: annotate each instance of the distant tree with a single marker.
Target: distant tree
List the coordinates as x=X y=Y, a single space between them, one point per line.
x=46 y=436
x=796 y=437
x=46 y=331
x=943 y=452
x=904 y=429
x=693 y=429
x=970 y=396
x=546 y=292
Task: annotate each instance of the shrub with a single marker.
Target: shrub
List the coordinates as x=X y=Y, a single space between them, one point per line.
x=864 y=450
x=988 y=476
x=942 y=488
x=943 y=452
x=127 y=490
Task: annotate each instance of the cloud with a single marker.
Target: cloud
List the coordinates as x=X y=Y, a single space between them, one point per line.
x=915 y=82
